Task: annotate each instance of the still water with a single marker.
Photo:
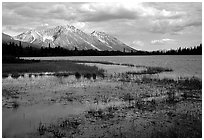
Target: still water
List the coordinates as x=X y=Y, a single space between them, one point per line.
x=182 y=65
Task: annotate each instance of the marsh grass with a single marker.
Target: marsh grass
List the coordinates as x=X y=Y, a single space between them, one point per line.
x=187 y=83
x=63 y=128
x=145 y=105
x=15 y=104
x=88 y=75
x=94 y=76
x=62 y=74
x=50 y=66
x=77 y=75
x=149 y=70
x=15 y=75
x=41 y=128
x=128 y=97
x=59 y=68
x=184 y=126
x=190 y=83
x=129 y=65
x=9 y=94
x=182 y=83
x=171 y=96
x=104 y=99
x=102 y=114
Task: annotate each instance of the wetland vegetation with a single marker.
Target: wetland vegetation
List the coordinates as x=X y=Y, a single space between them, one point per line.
x=84 y=101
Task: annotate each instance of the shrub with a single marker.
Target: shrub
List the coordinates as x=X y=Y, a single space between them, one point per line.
x=94 y=76
x=87 y=75
x=15 y=75
x=77 y=75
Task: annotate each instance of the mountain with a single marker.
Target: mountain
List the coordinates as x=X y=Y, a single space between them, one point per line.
x=70 y=37
x=9 y=39
x=6 y=38
x=111 y=41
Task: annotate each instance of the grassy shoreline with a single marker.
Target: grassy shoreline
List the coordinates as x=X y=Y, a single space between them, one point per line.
x=170 y=117
x=59 y=67
x=132 y=104
x=67 y=67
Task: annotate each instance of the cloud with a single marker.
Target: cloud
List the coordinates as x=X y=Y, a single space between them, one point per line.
x=46 y=24
x=97 y=12
x=162 y=41
x=181 y=17
x=138 y=43
x=173 y=26
x=130 y=22
x=79 y=25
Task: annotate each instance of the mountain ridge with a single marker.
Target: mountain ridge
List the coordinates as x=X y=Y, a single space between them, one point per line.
x=70 y=37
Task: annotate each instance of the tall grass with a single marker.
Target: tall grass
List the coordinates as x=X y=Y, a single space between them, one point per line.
x=50 y=66
x=150 y=70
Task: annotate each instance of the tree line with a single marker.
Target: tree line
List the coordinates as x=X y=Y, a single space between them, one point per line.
x=13 y=49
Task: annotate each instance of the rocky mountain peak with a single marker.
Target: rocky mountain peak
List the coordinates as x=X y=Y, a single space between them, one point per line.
x=68 y=36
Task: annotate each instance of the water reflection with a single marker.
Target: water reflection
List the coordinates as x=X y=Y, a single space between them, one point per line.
x=26 y=119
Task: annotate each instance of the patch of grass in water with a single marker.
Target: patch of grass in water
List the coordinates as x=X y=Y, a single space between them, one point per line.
x=94 y=76
x=87 y=75
x=62 y=74
x=103 y=114
x=190 y=83
x=129 y=65
x=128 y=97
x=41 y=128
x=15 y=75
x=150 y=70
x=14 y=104
x=63 y=128
x=77 y=75
x=50 y=66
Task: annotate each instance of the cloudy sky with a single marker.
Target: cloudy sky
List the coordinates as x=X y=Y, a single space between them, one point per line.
x=144 y=26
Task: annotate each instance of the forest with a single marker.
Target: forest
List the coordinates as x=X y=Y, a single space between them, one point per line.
x=16 y=50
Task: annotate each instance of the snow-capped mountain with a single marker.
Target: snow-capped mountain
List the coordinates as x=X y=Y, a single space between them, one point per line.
x=111 y=41
x=9 y=39
x=70 y=37
x=6 y=38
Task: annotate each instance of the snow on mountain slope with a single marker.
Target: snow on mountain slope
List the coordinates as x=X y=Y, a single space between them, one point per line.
x=70 y=37
x=6 y=38
x=111 y=41
x=9 y=39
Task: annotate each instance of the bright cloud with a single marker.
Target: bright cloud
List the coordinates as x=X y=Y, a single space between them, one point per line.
x=138 y=42
x=162 y=41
